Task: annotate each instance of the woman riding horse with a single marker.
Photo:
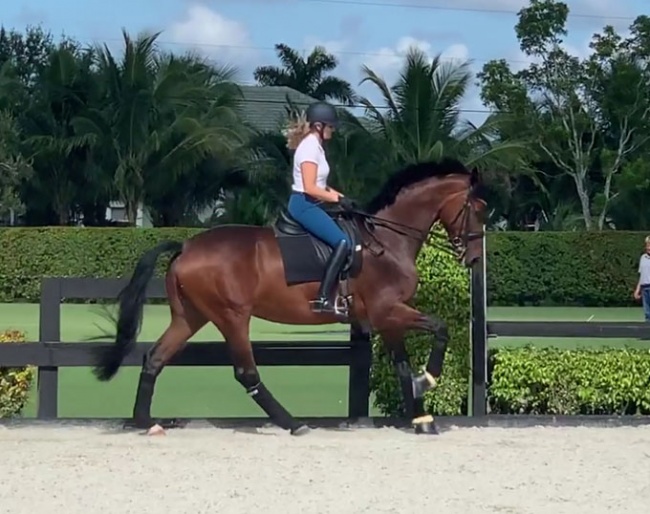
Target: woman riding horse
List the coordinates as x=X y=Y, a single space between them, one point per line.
x=309 y=188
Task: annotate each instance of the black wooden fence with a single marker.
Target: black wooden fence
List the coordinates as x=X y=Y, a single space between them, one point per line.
x=49 y=353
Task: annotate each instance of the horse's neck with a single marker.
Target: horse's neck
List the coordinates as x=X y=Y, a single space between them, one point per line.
x=394 y=238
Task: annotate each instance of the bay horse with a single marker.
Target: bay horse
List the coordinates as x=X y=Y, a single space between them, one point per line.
x=230 y=273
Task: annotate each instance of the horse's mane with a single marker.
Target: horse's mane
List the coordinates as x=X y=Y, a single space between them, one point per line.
x=410 y=175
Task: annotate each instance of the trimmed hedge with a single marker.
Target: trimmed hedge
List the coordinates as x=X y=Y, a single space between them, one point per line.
x=443 y=290
x=28 y=254
x=568 y=382
x=524 y=268
x=15 y=383
x=588 y=269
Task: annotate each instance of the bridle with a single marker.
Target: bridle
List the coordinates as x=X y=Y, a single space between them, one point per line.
x=458 y=243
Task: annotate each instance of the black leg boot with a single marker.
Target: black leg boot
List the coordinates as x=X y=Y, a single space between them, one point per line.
x=324 y=303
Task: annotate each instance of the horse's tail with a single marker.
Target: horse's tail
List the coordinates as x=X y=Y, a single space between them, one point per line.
x=131 y=304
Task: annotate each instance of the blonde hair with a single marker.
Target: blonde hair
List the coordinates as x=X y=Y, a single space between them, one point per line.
x=297 y=129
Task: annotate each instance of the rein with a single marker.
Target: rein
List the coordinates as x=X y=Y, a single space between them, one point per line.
x=459 y=244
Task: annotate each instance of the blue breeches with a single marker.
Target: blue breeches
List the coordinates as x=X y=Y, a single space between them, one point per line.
x=315 y=220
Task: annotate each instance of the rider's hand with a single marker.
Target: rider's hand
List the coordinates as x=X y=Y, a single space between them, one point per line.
x=347 y=203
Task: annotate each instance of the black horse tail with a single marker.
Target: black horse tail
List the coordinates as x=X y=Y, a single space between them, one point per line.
x=131 y=305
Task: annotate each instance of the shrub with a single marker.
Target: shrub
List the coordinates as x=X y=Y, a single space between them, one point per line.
x=15 y=383
x=590 y=269
x=32 y=253
x=524 y=268
x=443 y=290
x=565 y=382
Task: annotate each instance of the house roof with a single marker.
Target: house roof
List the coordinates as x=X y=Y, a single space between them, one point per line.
x=264 y=107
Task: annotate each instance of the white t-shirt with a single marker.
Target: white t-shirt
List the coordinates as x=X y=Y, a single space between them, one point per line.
x=310 y=150
x=644 y=269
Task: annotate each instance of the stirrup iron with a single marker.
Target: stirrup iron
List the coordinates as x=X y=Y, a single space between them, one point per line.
x=338 y=307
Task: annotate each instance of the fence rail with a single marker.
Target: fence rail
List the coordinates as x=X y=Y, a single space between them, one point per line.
x=49 y=353
x=586 y=329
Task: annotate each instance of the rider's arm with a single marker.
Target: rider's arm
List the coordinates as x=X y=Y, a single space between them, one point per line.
x=308 y=170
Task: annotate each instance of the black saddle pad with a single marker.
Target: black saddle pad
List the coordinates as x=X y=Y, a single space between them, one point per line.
x=304 y=256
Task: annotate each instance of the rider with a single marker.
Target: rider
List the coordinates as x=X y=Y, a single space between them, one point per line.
x=309 y=188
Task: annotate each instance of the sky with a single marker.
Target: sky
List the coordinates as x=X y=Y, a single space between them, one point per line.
x=371 y=32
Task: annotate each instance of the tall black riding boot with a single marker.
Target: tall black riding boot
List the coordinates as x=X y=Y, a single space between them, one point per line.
x=324 y=303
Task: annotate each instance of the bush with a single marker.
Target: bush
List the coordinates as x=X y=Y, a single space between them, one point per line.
x=443 y=290
x=29 y=254
x=567 y=382
x=15 y=383
x=524 y=268
x=563 y=268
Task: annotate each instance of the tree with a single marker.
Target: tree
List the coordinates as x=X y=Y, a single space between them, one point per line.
x=566 y=105
x=64 y=91
x=161 y=117
x=14 y=168
x=423 y=118
x=27 y=53
x=360 y=158
x=307 y=75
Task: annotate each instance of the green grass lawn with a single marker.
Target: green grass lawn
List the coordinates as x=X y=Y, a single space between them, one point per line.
x=211 y=392
x=587 y=314
x=184 y=391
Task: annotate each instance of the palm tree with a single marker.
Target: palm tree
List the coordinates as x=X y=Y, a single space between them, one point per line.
x=63 y=91
x=307 y=75
x=162 y=116
x=422 y=119
x=357 y=154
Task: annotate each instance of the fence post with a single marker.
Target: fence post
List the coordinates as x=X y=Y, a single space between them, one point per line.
x=478 y=306
x=359 y=372
x=49 y=330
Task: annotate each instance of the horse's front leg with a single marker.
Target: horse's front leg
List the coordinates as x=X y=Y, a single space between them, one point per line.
x=392 y=327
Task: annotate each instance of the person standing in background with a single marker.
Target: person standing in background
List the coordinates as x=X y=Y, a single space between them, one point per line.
x=642 y=290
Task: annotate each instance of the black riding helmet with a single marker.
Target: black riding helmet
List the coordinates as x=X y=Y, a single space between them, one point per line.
x=322 y=112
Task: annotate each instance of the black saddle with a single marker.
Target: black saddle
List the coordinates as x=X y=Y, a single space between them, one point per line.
x=305 y=256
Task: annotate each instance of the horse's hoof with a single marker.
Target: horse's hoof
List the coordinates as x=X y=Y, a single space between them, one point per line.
x=425 y=425
x=426 y=429
x=156 y=430
x=300 y=430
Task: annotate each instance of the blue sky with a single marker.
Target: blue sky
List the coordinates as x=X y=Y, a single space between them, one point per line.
x=243 y=32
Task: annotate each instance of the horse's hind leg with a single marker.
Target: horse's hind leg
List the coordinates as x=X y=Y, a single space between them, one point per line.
x=235 y=327
x=185 y=322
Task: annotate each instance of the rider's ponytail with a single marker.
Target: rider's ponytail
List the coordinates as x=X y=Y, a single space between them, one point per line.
x=297 y=129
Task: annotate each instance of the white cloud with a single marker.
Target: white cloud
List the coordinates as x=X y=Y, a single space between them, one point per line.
x=518 y=60
x=387 y=61
x=214 y=35
x=333 y=46
x=457 y=52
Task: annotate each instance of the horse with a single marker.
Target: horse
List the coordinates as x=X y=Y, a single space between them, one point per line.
x=230 y=273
